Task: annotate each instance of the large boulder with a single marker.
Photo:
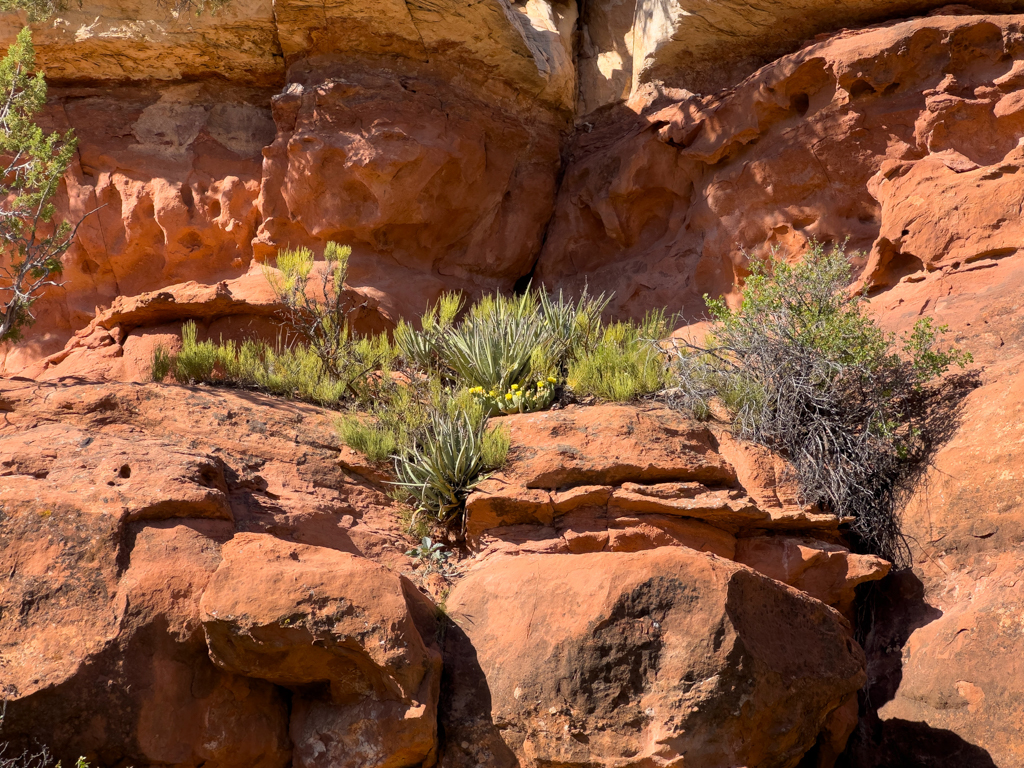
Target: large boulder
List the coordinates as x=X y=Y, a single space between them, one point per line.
x=104 y=653
x=648 y=658
x=116 y=502
x=341 y=632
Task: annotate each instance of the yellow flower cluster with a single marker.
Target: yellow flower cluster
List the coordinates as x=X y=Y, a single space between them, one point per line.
x=518 y=399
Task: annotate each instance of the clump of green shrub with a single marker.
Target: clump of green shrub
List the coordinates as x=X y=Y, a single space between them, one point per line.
x=452 y=455
x=296 y=371
x=803 y=369
x=512 y=352
x=625 y=363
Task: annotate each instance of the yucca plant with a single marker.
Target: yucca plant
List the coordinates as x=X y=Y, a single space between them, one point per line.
x=444 y=467
x=419 y=348
x=576 y=326
x=494 y=345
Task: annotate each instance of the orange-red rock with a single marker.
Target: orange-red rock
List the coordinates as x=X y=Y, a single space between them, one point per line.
x=614 y=659
x=432 y=188
x=900 y=137
x=116 y=502
x=341 y=632
x=429 y=138
x=945 y=675
x=620 y=478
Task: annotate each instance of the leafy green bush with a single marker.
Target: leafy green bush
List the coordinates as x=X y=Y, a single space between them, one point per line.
x=430 y=552
x=372 y=439
x=424 y=400
x=804 y=370
x=161 y=365
x=625 y=363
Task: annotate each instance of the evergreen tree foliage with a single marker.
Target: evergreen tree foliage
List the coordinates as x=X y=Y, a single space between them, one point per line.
x=32 y=163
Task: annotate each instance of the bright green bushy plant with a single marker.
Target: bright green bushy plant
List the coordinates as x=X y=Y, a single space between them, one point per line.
x=424 y=400
x=296 y=371
x=31 y=166
x=625 y=363
x=803 y=369
x=512 y=351
x=195 y=362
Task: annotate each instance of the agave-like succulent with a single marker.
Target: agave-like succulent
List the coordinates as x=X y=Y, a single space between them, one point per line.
x=430 y=551
x=445 y=465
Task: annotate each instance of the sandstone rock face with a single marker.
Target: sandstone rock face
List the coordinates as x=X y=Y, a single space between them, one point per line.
x=302 y=616
x=116 y=40
x=426 y=135
x=420 y=180
x=664 y=654
x=164 y=182
x=199 y=577
x=117 y=501
x=632 y=48
x=625 y=479
x=204 y=577
x=944 y=652
x=878 y=135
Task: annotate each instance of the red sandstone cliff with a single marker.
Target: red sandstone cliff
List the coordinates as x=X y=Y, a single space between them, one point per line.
x=153 y=537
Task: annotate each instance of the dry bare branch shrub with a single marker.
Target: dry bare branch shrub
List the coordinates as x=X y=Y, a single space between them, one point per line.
x=39 y=758
x=803 y=370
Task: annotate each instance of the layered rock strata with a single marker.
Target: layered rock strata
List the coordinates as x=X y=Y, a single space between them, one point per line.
x=667 y=655
x=199 y=576
x=434 y=138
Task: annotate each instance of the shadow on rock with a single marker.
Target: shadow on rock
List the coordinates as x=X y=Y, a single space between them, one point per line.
x=890 y=611
x=468 y=736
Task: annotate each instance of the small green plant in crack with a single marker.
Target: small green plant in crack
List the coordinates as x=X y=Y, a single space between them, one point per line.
x=431 y=552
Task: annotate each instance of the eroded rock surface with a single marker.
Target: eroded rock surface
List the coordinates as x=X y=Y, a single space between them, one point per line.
x=160 y=543
x=944 y=662
x=116 y=503
x=902 y=138
x=639 y=659
x=617 y=478
x=427 y=135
